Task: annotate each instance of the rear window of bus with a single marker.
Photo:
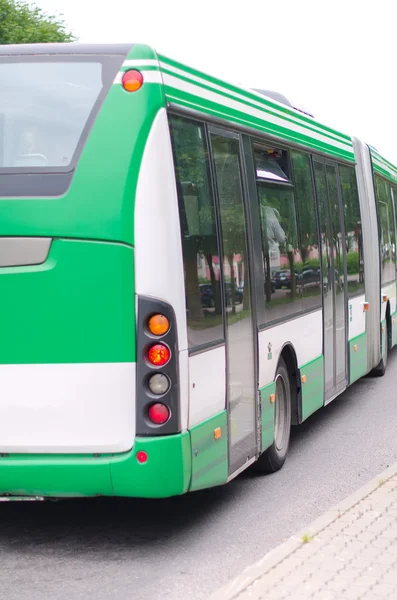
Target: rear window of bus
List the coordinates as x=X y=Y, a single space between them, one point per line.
x=47 y=105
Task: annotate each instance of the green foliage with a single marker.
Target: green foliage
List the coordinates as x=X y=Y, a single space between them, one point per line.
x=25 y=23
x=352 y=263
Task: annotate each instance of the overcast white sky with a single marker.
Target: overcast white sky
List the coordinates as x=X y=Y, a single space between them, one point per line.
x=337 y=58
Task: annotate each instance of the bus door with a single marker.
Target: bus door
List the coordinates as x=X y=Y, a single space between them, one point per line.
x=334 y=279
x=241 y=369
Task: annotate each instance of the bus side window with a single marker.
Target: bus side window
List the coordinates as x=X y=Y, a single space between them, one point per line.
x=308 y=230
x=386 y=229
x=353 y=230
x=198 y=231
x=280 y=247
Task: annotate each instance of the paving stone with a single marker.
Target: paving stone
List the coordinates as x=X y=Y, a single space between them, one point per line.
x=352 y=555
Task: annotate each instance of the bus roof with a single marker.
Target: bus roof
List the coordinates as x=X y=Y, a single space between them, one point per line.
x=68 y=48
x=187 y=87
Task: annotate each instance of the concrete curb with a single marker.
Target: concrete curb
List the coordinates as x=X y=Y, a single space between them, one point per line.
x=232 y=590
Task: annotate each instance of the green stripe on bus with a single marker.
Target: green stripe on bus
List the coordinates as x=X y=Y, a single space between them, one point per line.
x=166 y=472
x=209 y=455
x=288 y=118
x=313 y=387
x=358 y=356
x=267 y=406
x=251 y=96
x=223 y=112
x=394 y=329
x=77 y=307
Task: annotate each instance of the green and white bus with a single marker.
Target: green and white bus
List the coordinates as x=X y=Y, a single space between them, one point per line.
x=187 y=268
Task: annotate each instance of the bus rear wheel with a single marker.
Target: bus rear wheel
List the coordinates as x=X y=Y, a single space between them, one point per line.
x=274 y=457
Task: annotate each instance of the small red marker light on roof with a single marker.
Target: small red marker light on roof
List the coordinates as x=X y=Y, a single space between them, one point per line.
x=132 y=81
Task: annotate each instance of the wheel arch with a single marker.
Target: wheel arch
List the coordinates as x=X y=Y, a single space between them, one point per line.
x=288 y=354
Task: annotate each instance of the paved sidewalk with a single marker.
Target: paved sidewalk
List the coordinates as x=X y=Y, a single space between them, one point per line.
x=348 y=553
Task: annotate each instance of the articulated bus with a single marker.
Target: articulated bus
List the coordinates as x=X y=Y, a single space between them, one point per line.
x=187 y=269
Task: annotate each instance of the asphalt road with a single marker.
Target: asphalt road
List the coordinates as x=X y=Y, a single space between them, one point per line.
x=188 y=547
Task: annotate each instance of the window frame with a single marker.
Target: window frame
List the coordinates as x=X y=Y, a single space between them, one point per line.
x=249 y=136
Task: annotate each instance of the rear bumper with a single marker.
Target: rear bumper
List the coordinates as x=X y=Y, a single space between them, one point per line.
x=167 y=472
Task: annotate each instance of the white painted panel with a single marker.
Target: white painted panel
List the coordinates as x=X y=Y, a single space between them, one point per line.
x=356 y=316
x=184 y=388
x=304 y=333
x=158 y=248
x=67 y=408
x=207 y=385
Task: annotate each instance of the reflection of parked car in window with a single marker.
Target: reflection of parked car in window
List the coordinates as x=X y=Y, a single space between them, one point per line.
x=207 y=295
x=310 y=276
x=282 y=279
x=305 y=277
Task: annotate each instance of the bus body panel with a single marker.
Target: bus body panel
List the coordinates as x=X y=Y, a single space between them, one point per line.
x=303 y=333
x=158 y=250
x=207 y=390
x=371 y=251
x=67 y=359
x=68 y=353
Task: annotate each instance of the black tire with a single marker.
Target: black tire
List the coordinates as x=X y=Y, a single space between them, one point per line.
x=380 y=370
x=274 y=457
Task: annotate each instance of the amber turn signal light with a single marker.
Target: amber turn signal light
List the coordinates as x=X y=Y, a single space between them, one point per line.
x=158 y=324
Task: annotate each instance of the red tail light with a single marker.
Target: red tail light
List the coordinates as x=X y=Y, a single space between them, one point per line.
x=159 y=413
x=159 y=355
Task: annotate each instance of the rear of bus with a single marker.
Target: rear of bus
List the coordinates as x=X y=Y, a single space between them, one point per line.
x=81 y=167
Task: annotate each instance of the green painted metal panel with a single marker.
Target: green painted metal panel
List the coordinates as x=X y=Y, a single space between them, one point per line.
x=55 y=476
x=358 y=357
x=267 y=407
x=77 y=307
x=313 y=387
x=383 y=166
x=166 y=473
x=394 y=329
x=209 y=455
x=383 y=339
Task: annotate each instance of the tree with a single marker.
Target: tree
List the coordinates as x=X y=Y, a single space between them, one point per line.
x=25 y=23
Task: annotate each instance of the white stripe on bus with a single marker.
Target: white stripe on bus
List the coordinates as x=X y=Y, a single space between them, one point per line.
x=240 y=97
x=82 y=408
x=148 y=77
x=196 y=90
x=146 y=62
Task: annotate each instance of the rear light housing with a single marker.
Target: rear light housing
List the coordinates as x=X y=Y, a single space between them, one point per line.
x=157 y=389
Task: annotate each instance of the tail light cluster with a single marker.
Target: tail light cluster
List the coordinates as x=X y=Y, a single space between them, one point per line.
x=157 y=393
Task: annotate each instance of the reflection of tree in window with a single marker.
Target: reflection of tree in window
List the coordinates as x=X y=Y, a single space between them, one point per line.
x=386 y=229
x=336 y=228
x=227 y=167
x=197 y=215
x=279 y=231
x=353 y=230
x=307 y=218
